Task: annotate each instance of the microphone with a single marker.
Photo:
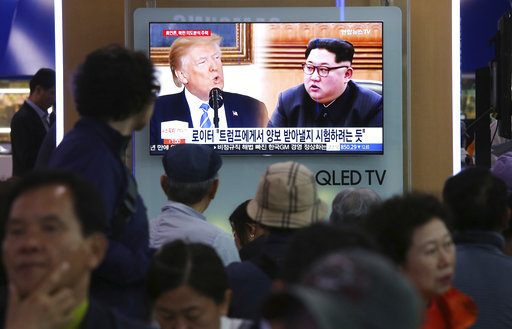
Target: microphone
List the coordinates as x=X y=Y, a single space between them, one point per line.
x=216 y=101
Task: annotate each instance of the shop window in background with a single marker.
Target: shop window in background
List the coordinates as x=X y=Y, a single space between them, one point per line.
x=12 y=95
x=467 y=106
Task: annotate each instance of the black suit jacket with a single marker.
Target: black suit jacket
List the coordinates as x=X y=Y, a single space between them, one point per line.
x=241 y=112
x=27 y=134
x=356 y=107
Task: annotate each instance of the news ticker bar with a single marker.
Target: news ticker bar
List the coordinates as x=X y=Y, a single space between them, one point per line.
x=357 y=136
x=286 y=148
x=276 y=139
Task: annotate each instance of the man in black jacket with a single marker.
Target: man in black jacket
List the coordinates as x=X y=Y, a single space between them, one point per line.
x=328 y=97
x=30 y=124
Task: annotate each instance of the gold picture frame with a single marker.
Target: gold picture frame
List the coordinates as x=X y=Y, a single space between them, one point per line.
x=239 y=53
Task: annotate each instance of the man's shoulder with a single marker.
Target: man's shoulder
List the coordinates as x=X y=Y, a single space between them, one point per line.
x=242 y=272
x=482 y=255
x=80 y=144
x=25 y=112
x=173 y=224
x=294 y=97
x=88 y=155
x=361 y=91
x=170 y=98
x=297 y=91
x=239 y=98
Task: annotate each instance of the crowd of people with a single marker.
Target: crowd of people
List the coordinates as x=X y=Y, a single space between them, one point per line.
x=80 y=252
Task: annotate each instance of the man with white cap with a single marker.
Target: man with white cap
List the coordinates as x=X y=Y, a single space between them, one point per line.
x=286 y=200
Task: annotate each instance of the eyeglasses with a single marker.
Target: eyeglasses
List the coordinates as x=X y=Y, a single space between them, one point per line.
x=323 y=71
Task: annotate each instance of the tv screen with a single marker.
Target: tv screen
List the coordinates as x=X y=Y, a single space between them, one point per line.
x=262 y=95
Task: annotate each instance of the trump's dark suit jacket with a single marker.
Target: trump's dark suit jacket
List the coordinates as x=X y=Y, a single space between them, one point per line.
x=241 y=112
x=356 y=107
x=27 y=133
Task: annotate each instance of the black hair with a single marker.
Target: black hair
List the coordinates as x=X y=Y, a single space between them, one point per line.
x=87 y=200
x=477 y=199
x=239 y=220
x=44 y=77
x=316 y=241
x=393 y=222
x=180 y=263
x=114 y=83
x=343 y=50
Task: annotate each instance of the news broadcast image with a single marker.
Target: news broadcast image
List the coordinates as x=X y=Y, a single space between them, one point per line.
x=260 y=61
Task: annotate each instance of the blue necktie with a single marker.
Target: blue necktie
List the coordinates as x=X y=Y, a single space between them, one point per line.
x=205 y=120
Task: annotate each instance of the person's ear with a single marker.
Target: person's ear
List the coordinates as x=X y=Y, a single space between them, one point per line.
x=224 y=306
x=349 y=72
x=278 y=286
x=163 y=183
x=506 y=219
x=98 y=245
x=251 y=228
x=182 y=76
x=213 y=189
x=251 y=231
x=38 y=91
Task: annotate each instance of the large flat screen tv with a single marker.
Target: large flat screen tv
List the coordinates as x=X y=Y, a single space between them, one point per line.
x=261 y=61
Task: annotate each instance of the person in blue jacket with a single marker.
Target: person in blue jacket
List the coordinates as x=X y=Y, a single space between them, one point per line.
x=328 y=97
x=114 y=91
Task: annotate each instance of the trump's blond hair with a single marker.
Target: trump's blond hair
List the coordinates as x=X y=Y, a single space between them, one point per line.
x=181 y=46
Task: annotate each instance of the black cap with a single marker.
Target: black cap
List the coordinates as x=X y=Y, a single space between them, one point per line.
x=191 y=163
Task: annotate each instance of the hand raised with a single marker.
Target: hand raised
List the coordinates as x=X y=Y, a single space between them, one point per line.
x=43 y=308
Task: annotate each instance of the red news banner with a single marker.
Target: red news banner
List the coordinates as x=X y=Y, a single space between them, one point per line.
x=187 y=33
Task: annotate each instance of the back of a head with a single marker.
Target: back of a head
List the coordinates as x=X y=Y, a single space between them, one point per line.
x=191 y=170
x=477 y=199
x=44 y=77
x=351 y=204
x=393 y=222
x=312 y=243
x=180 y=48
x=343 y=50
x=352 y=289
x=180 y=263
x=503 y=169
x=114 y=83
x=88 y=203
x=287 y=197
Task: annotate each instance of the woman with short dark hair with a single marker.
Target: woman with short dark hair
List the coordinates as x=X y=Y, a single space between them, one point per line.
x=412 y=230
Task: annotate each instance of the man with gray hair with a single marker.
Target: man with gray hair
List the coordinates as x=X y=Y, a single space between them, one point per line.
x=351 y=204
x=190 y=183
